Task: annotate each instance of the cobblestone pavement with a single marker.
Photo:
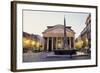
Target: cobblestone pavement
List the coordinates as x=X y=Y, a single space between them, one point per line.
x=49 y=56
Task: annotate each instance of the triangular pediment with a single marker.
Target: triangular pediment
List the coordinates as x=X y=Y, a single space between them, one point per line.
x=58 y=30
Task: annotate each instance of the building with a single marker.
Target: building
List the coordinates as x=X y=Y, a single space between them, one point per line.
x=32 y=42
x=54 y=37
x=86 y=33
x=85 y=36
x=26 y=40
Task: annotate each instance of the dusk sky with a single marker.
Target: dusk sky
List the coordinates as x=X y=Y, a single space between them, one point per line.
x=37 y=21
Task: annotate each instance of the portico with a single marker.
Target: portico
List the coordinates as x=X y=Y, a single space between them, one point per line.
x=54 y=36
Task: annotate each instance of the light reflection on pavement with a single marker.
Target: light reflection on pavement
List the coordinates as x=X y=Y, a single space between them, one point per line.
x=49 y=56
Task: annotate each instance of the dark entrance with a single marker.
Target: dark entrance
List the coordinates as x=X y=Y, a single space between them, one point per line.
x=50 y=44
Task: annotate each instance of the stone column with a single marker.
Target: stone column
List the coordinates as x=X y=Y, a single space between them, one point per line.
x=56 y=42
x=73 y=42
x=52 y=44
x=47 y=43
x=70 y=42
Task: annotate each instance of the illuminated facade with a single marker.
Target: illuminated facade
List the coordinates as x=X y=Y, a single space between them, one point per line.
x=54 y=37
x=32 y=42
x=86 y=33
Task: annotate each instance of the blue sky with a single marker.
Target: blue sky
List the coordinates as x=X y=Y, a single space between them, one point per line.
x=37 y=21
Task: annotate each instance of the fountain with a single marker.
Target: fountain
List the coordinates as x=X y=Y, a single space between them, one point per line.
x=65 y=50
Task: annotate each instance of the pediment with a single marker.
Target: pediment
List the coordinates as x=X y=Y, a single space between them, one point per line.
x=58 y=30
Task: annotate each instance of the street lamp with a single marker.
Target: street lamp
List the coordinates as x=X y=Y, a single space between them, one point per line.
x=33 y=44
x=26 y=42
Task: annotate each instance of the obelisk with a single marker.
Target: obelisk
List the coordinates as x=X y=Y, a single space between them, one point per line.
x=65 y=43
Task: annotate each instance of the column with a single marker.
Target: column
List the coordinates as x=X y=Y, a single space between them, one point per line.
x=70 y=42
x=73 y=42
x=47 y=43
x=61 y=42
x=52 y=43
x=56 y=42
x=43 y=45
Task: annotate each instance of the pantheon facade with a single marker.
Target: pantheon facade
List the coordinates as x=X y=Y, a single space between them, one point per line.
x=54 y=37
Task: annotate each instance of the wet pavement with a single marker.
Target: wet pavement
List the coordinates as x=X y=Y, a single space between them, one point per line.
x=49 y=56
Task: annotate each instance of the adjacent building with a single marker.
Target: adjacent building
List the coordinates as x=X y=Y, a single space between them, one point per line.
x=86 y=33
x=85 y=36
x=32 y=42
